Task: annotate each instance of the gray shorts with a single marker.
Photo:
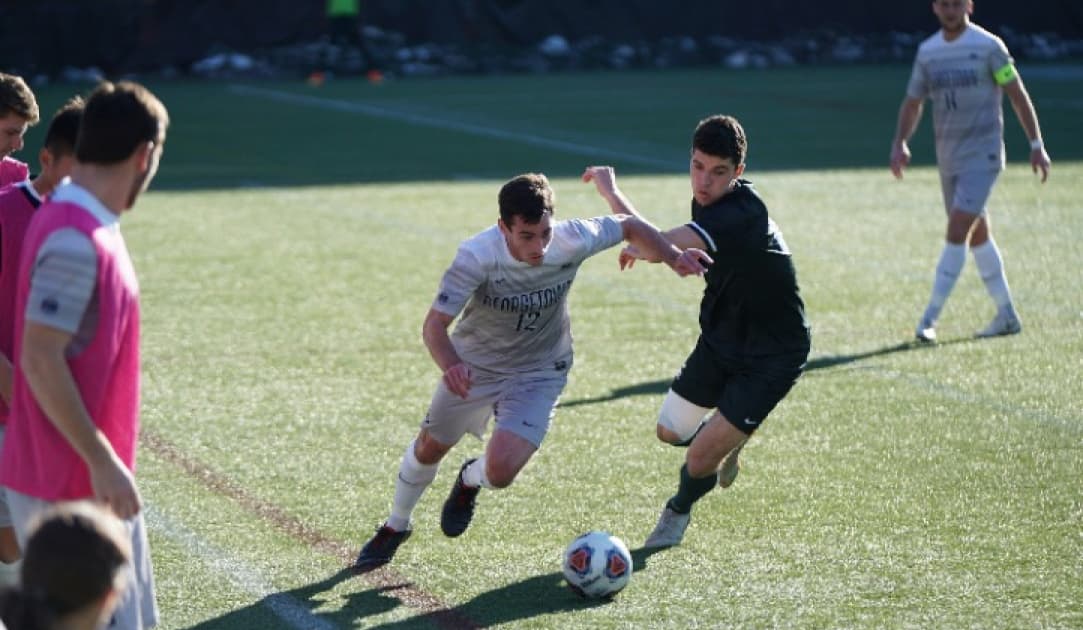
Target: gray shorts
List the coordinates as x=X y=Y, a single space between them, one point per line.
x=967 y=192
x=138 y=607
x=521 y=403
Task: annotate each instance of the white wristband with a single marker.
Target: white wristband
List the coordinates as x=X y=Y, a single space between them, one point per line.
x=1036 y=144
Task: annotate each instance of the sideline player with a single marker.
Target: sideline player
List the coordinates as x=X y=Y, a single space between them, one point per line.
x=17 y=205
x=74 y=419
x=18 y=111
x=510 y=353
x=964 y=71
x=76 y=560
x=754 y=339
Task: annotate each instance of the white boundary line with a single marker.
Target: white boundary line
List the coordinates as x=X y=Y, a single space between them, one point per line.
x=421 y=120
x=246 y=578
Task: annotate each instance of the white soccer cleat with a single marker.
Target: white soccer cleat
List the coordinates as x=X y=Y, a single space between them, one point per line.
x=669 y=531
x=1002 y=324
x=926 y=331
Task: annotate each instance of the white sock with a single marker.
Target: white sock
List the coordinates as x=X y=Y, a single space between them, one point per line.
x=413 y=478
x=991 y=268
x=474 y=475
x=952 y=259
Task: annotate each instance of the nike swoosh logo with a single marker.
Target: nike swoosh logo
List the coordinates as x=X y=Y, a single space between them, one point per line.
x=749 y=421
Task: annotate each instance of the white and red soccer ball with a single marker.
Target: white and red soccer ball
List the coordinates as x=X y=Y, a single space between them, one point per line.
x=597 y=565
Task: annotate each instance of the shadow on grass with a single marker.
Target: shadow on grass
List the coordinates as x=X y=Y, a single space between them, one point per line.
x=539 y=595
x=294 y=608
x=836 y=360
x=661 y=386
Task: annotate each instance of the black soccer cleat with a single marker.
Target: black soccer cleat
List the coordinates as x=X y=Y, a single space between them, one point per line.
x=459 y=506
x=380 y=549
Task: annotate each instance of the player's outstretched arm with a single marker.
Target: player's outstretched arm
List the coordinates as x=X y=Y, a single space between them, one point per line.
x=605 y=181
x=647 y=243
x=456 y=373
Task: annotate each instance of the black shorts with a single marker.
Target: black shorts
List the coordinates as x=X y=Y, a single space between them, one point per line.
x=745 y=392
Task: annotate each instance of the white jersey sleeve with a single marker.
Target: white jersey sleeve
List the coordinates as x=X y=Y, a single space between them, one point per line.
x=590 y=236
x=62 y=283
x=460 y=281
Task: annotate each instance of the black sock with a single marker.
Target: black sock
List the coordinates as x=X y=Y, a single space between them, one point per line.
x=690 y=490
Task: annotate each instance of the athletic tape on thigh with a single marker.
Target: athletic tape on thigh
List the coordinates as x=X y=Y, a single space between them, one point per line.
x=680 y=416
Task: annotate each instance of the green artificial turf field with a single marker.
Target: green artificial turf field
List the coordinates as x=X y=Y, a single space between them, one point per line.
x=292 y=245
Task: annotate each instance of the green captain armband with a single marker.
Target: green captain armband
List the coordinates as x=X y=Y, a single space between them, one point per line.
x=1005 y=74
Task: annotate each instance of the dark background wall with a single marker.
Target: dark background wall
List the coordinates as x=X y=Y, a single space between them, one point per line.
x=133 y=35
x=527 y=21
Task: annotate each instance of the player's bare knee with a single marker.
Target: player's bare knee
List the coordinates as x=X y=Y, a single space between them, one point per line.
x=960 y=225
x=428 y=451
x=499 y=476
x=665 y=435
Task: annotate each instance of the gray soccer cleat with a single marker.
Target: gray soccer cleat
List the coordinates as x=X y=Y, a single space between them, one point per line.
x=731 y=465
x=1002 y=324
x=669 y=531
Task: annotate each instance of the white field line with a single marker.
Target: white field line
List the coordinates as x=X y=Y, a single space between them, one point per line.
x=243 y=576
x=421 y=120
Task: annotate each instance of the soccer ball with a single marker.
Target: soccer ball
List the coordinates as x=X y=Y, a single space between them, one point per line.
x=597 y=564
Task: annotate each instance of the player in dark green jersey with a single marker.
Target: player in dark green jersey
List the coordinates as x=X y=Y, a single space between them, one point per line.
x=754 y=338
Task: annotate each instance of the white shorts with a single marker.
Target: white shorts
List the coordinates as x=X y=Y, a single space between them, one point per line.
x=968 y=192
x=522 y=403
x=138 y=607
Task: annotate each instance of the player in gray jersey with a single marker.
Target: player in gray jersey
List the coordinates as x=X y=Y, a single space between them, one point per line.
x=509 y=355
x=963 y=70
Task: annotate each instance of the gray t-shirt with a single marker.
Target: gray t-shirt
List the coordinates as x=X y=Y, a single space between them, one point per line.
x=962 y=78
x=515 y=316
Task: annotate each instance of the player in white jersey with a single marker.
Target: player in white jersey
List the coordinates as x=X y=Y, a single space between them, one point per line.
x=509 y=355
x=964 y=70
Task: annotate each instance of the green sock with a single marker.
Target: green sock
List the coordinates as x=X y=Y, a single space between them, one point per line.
x=690 y=490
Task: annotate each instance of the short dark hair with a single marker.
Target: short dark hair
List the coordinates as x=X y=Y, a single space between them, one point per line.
x=16 y=98
x=118 y=118
x=74 y=556
x=63 y=129
x=721 y=136
x=528 y=196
